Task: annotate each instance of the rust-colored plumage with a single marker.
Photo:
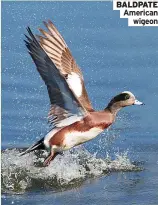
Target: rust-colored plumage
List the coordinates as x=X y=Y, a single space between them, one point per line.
x=100 y=120
x=74 y=119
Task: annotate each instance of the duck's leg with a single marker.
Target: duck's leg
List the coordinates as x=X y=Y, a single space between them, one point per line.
x=51 y=156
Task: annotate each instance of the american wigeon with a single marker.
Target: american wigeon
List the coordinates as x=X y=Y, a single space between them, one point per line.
x=74 y=119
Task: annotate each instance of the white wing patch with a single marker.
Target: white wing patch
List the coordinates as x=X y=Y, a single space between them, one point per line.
x=68 y=121
x=75 y=84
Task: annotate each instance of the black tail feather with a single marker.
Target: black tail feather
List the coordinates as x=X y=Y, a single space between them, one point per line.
x=37 y=146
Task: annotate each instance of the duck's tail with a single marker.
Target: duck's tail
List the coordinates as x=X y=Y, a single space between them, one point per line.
x=37 y=146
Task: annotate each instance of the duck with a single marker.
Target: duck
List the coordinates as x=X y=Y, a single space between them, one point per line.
x=73 y=119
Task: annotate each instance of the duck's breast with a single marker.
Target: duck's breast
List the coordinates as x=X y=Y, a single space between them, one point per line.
x=75 y=138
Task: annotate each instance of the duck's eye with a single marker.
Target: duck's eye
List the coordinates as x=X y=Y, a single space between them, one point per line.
x=127 y=96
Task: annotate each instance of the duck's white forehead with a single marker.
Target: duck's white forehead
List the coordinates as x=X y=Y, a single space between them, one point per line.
x=128 y=92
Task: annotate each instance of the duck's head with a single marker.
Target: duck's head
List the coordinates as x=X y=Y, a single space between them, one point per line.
x=121 y=100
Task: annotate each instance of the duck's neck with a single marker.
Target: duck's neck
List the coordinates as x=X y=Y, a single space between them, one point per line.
x=114 y=108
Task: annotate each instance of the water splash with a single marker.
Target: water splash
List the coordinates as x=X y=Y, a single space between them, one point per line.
x=21 y=174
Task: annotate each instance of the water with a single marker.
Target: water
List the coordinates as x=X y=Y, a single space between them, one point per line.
x=118 y=167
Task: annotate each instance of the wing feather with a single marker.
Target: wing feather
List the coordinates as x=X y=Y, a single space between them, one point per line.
x=56 y=48
x=64 y=104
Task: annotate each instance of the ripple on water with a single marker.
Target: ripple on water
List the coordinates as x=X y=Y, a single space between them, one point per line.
x=25 y=173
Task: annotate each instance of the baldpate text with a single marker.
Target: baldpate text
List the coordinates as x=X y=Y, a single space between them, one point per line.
x=137 y=4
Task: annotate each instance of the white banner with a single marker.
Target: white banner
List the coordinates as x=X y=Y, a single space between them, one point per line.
x=138 y=13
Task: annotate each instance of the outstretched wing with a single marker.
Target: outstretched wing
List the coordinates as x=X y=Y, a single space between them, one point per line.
x=56 y=48
x=65 y=107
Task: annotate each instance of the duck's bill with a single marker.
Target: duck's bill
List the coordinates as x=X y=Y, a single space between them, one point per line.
x=137 y=102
